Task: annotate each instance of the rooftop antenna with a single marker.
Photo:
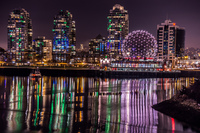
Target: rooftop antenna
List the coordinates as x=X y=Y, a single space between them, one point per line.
x=167 y=16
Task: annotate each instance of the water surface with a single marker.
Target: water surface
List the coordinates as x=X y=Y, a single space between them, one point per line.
x=79 y=104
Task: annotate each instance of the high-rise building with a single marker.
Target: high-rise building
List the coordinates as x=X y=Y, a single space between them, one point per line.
x=97 y=48
x=118 y=28
x=171 y=40
x=73 y=39
x=43 y=49
x=19 y=35
x=64 y=39
x=81 y=47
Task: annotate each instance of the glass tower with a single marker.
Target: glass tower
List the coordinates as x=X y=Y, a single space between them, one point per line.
x=118 y=28
x=64 y=39
x=19 y=35
x=171 y=40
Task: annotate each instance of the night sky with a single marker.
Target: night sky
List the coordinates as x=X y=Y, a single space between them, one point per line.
x=91 y=16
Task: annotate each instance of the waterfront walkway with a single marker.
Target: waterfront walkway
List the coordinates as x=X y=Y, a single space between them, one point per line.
x=87 y=72
x=47 y=67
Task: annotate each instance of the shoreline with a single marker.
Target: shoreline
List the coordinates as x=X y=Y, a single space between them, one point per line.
x=86 y=72
x=182 y=113
x=184 y=106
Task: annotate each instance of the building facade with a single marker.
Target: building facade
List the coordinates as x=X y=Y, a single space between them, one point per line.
x=64 y=37
x=171 y=40
x=81 y=47
x=43 y=49
x=19 y=36
x=97 y=49
x=73 y=38
x=118 y=28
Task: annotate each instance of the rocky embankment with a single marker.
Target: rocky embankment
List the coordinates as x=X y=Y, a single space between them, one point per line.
x=185 y=106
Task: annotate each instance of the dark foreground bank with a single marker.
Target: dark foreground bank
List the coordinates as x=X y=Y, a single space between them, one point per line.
x=185 y=106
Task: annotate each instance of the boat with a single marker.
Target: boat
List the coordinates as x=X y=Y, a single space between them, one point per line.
x=35 y=73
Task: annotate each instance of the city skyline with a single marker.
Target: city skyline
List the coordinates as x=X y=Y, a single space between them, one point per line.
x=91 y=17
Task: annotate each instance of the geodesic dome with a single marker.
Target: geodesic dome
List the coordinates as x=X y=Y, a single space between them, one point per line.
x=139 y=43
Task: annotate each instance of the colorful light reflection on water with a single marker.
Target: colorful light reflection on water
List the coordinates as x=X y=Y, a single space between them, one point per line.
x=78 y=104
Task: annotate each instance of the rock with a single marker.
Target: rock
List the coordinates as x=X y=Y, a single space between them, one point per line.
x=184 y=106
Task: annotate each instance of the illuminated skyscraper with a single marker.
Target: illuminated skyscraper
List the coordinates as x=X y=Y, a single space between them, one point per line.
x=171 y=40
x=64 y=39
x=19 y=35
x=43 y=48
x=73 y=39
x=118 y=28
x=81 y=47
